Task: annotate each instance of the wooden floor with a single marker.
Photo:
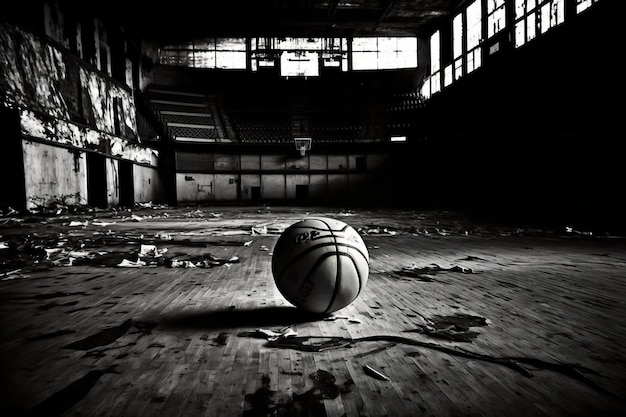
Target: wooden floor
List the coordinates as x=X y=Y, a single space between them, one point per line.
x=465 y=319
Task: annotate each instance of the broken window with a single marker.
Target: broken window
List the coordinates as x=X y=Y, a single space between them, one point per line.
x=225 y=53
x=552 y=13
x=496 y=16
x=536 y=16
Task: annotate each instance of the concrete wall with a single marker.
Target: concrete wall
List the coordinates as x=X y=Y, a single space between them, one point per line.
x=330 y=178
x=273 y=187
x=292 y=181
x=53 y=174
x=247 y=182
x=195 y=188
x=318 y=187
x=226 y=187
x=147 y=184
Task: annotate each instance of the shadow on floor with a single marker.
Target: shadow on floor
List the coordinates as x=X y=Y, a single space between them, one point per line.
x=232 y=318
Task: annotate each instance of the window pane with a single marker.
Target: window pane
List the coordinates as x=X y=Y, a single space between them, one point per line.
x=496 y=20
x=520 y=8
x=531 y=27
x=558 y=12
x=458 y=68
x=520 y=33
x=204 y=59
x=299 y=64
x=231 y=44
x=365 y=60
x=364 y=44
x=435 y=85
x=474 y=27
x=387 y=60
x=457 y=36
x=407 y=59
x=447 y=76
x=435 y=53
x=230 y=60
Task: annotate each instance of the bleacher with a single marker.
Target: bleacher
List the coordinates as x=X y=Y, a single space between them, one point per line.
x=256 y=117
x=401 y=110
x=187 y=116
x=336 y=120
x=254 y=122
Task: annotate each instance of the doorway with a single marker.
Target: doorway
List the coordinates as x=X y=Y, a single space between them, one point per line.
x=127 y=183
x=255 y=193
x=302 y=192
x=96 y=180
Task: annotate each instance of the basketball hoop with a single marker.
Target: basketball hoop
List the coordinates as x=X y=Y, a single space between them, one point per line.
x=302 y=144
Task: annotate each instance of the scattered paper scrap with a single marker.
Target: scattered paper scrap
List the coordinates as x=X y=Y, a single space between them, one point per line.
x=76 y=223
x=131 y=264
x=259 y=230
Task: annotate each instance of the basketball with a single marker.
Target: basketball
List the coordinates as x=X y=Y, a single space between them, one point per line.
x=320 y=264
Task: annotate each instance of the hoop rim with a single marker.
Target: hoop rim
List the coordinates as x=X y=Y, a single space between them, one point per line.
x=302 y=143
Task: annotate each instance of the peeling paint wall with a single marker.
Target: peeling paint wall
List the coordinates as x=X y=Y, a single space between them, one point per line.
x=31 y=72
x=53 y=174
x=113 y=182
x=101 y=95
x=47 y=85
x=62 y=101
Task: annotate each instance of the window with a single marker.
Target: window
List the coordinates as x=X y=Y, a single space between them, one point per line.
x=447 y=75
x=582 y=5
x=335 y=53
x=474 y=35
x=435 y=62
x=524 y=21
x=496 y=16
x=384 y=53
x=536 y=16
x=299 y=57
x=397 y=139
x=457 y=45
x=425 y=89
x=552 y=13
x=225 y=53
x=299 y=64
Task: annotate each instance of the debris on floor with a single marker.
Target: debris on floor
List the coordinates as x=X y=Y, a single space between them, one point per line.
x=308 y=404
x=375 y=373
x=455 y=328
x=426 y=273
x=271 y=335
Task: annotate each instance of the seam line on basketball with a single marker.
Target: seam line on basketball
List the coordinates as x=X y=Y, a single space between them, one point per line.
x=338 y=274
x=315 y=247
x=358 y=274
x=314 y=267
